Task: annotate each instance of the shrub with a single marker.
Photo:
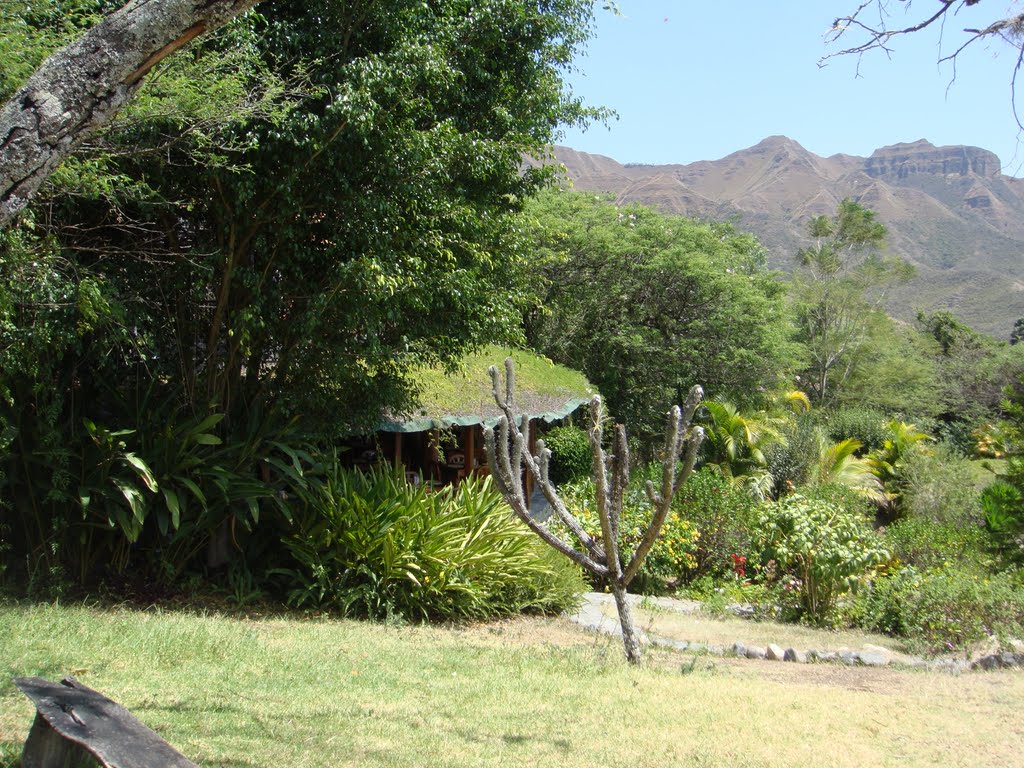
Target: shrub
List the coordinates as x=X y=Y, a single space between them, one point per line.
x=821 y=551
x=938 y=485
x=673 y=553
x=372 y=545
x=1003 y=505
x=885 y=606
x=866 y=425
x=846 y=498
x=924 y=544
x=724 y=517
x=571 y=457
x=943 y=610
x=790 y=460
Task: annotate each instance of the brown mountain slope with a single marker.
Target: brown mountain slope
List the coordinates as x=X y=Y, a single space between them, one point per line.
x=949 y=211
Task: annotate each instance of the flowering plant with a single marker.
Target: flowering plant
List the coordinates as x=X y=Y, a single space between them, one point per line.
x=739 y=563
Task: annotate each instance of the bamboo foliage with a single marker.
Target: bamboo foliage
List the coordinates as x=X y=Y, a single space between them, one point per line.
x=509 y=457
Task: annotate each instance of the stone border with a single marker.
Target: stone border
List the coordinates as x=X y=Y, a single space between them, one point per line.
x=590 y=616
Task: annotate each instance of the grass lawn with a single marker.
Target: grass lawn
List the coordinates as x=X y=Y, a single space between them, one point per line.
x=280 y=691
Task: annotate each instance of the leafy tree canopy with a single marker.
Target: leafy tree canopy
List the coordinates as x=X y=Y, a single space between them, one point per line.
x=974 y=369
x=299 y=209
x=646 y=305
x=288 y=217
x=837 y=289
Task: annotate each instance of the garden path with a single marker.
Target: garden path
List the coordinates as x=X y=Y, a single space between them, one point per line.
x=597 y=613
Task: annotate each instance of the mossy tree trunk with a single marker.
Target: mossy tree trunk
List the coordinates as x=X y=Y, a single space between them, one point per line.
x=80 y=88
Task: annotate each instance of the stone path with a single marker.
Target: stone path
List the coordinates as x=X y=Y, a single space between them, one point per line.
x=592 y=615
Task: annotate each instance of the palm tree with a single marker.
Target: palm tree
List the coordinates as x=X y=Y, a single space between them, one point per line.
x=838 y=464
x=887 y=461
x=734 y=442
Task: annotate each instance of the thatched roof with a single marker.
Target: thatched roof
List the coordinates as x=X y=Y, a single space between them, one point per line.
x=544 y=390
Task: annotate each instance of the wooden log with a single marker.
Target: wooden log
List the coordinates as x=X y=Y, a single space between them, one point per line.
x=45 y=748
x=87 y=720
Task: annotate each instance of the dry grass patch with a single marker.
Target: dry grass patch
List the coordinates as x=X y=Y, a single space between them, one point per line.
x=726 y=630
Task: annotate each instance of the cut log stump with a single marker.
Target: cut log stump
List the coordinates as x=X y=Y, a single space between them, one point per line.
x=76 y=726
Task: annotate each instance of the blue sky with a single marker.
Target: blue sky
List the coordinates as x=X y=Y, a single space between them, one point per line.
x=699 y=80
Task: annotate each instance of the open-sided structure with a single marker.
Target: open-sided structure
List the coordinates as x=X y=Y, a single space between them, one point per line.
x=441 y=442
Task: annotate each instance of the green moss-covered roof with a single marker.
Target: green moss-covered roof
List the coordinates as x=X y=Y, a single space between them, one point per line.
x=544 y=390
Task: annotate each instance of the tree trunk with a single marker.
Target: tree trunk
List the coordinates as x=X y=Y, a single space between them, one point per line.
x=79 y=89
x=630 y=638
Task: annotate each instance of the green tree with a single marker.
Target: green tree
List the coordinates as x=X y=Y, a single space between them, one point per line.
x=974 y=371
x=307 y=257
x=1018 y=331
x=79 y=89
x=838 y=287
x=896 y=371
x=645 y=304
x=292 y=253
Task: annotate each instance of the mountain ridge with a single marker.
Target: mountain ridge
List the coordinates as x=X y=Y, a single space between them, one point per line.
x=949 y=210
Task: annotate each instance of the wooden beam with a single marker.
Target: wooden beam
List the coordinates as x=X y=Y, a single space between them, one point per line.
x=87 y=720
x=469 y=441
x=532 y=448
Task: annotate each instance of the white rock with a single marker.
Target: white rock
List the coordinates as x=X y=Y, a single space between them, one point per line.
x=775 y=652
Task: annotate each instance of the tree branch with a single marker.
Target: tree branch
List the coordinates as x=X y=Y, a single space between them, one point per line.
x=79 y=89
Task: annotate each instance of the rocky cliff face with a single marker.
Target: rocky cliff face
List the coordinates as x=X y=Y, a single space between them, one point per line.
x=902 y=160
x=949 y=211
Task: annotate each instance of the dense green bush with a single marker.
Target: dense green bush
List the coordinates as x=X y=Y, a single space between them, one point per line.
x=673 y=555
x=372 y=545
x=866 y=425
x=1003 y=506
x=846 y=498
x=791 y=459
x=571 y=457
x=724 y=517
x=925 y=544
x=820 y=551
x=938 y=485
x=943 y=610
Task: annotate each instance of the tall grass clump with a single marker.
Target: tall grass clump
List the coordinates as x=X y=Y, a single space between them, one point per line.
x=369 y=544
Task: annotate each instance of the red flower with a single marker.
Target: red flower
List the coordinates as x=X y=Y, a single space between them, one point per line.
x=738 y=561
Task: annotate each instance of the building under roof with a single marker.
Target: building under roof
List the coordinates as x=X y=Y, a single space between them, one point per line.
x=441 y=441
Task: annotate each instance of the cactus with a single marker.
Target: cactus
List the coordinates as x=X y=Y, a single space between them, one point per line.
x=509 y=456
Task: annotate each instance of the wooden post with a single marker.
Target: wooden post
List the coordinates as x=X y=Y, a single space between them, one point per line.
x=469 y=441
x=532 y=448
x=432 y=457
x=398 y=449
